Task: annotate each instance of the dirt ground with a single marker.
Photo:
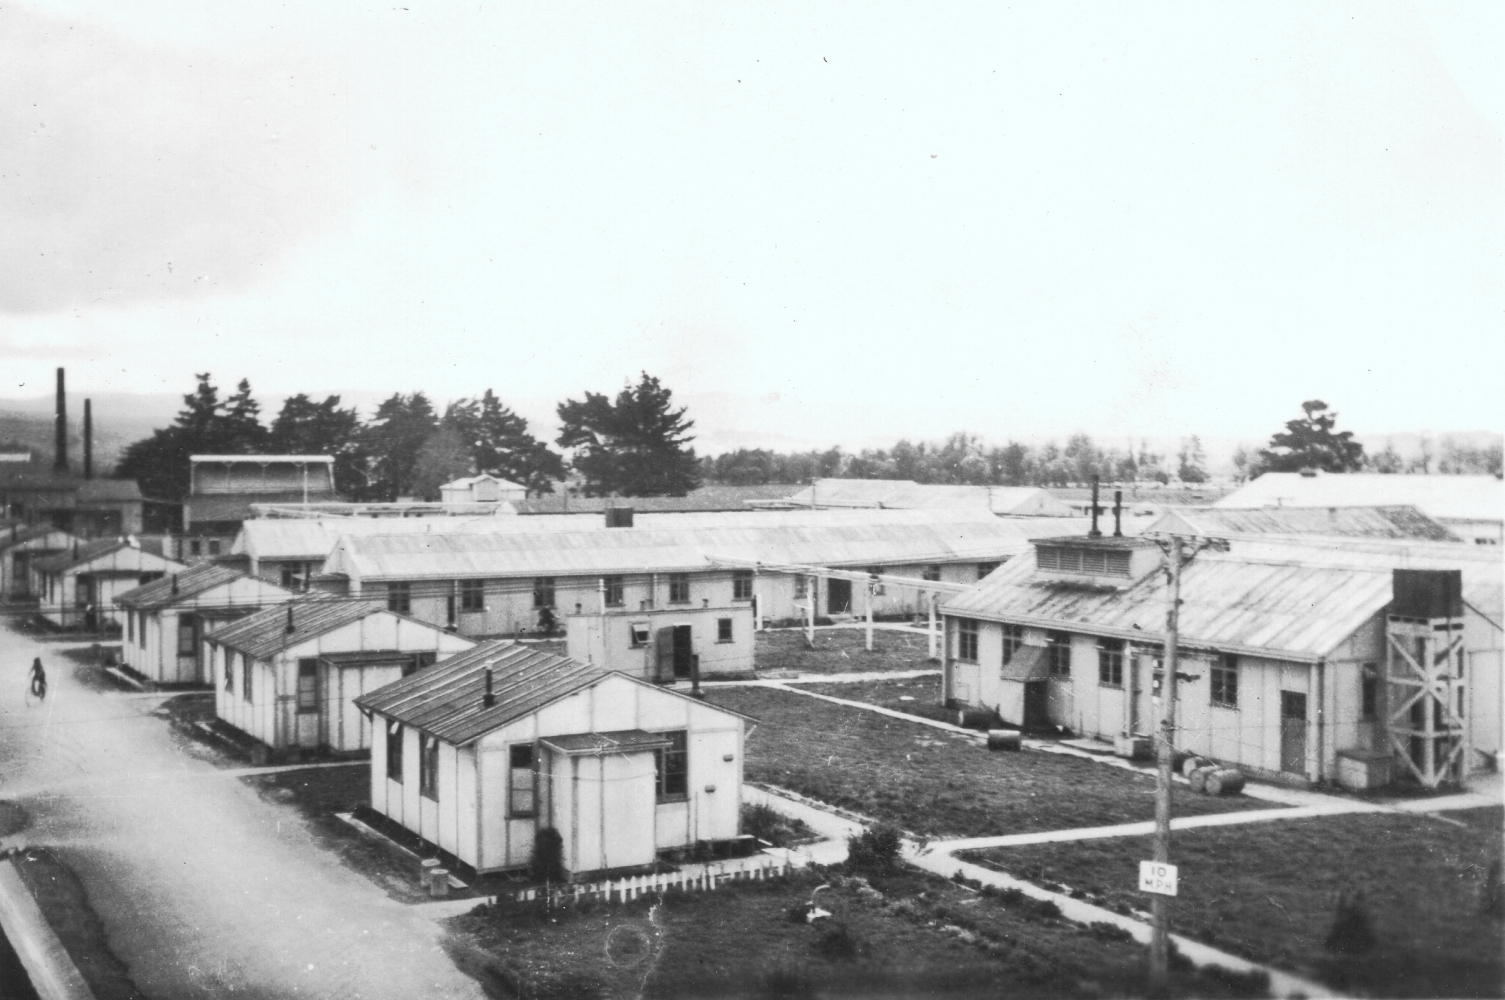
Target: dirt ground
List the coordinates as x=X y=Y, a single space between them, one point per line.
x=842 y=650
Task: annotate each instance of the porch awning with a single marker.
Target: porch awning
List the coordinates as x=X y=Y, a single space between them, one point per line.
x=1029 y=663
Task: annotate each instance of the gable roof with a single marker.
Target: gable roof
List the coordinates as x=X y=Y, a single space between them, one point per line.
x=1397 y=522
x=99 y=549
x=20 y=534
x=833 y=538
x=1472 y=498
x=447 y=699
x=1287 y=610
x=265 y=632
x=177 y=587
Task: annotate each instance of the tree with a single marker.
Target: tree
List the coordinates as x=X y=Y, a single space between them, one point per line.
x=1309 y=442
x=443 y=458
x=392 y=441
x=635 y=446
x=205 y=426
x=1387 y=461
x=304 y=427
x=1192 y=461
x=499 y=443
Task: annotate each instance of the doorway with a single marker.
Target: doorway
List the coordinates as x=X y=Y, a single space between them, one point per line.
x=838 y=597
x=1293 y=731
x=1036 y=705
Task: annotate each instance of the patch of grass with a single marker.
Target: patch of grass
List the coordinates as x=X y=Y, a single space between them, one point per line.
x=919 y=696
x=1270 y=892
x=841 y=651
x=933 y=782
x=65 y=903
x=898 y=935
x=773 y=827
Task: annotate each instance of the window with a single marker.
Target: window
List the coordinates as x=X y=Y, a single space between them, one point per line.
x=1225 y=681
x=612 y=586
x=679 y=588
x=522 y=781
x=966 y=640
x=983 y=569
x=1110 y=662
x=195 y=548
x=641 y=634
x=214 y=546
x=1013 y=638
x=229 y=670
x=394 y=751
x=1058 y=651
x=932 y=572
x=673 y=767
x=418 y=662
x=723 y=630
x=1369 y=691
x=290 y=578
x=428 y=766
x=308 y=685
x=245 y=676
x=185 y=635
x=400 y=597
x=801 y=587
x=472 y=595
x=141 y=631
x=449 y=608
x=543 y=591
x=742 y=585
x=130 y=626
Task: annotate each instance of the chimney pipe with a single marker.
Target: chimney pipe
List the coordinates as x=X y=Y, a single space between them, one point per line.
x=290 y=626
x=88 y=439
x=60 y=447
x=1094 y=533
x=1118 y=513
x=490 y=698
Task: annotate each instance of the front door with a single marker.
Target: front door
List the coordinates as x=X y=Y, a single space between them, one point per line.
x=1293 y=732
x=838 y=597
x=1036 y=704
x=683 y=652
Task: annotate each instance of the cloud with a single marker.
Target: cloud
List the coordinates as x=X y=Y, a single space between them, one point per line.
x=132 y=172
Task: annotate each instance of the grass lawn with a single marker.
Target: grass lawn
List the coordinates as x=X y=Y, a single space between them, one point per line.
x=842 y=650
x=936 y=783
x=918 y=695
x=905 y=935
x=1269 y=892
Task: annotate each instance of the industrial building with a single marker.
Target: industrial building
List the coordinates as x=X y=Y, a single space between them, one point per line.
x=222 y=488
x=479 y=753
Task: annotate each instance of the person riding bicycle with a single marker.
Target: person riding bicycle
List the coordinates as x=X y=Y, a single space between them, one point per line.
x=38 y=678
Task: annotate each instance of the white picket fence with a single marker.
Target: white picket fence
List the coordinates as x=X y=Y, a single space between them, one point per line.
x=697 y=878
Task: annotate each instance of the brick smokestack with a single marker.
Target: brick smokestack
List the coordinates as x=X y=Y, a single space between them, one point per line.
x=88 y=439
x=60 y=448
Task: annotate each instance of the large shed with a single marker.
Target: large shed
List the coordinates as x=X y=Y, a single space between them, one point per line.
x=485 y=749
x=288 y=676
x=78 y=587
x=22 y=545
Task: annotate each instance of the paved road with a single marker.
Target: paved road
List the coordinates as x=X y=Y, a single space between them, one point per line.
x=205 y=889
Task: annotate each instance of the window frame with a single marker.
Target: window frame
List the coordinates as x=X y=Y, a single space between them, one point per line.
x=1369 y=692
x=543 y=591
x=742 y=584
x=308 y=666
x=472 y=595
x=679 y=588
x=428 y=767
x=931 y=572
x=614 y=591
x=1057 y=648
x=395 y=737
x=192 y=635
x=724 y=630
x=1222 y=674
x=400 y=597
x=647 y=634
x=1110 y=663
x=513 y=769
x=229 y=670
x=984 y=569
x=1013 y=641
x=967 y=636
x=246 y=684
x=671 y=767
x=801 y=587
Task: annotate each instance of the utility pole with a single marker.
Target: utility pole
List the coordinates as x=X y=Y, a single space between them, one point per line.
x=1160 y=906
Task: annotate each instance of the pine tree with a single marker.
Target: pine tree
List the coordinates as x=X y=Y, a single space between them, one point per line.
x=205 y=426
x=1309 y=442
x=500 y=444
x=304 y=427
x=637 y=445
x=392 y=441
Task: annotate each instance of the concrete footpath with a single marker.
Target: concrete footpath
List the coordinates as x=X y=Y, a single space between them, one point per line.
x=52 y=973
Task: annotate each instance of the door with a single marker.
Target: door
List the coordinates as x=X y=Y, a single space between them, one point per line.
x=1036 y=705
x=1293 y=732
x=308 y=702
x=663 y=652
x=683 y=651
x=838 y=597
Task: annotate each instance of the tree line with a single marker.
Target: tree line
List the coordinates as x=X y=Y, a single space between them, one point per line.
x=635 y=444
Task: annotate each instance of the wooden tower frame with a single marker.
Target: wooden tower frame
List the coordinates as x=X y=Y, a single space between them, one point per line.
x=1427 y=694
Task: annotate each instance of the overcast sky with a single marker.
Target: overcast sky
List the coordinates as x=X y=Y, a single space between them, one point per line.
x=824 y=222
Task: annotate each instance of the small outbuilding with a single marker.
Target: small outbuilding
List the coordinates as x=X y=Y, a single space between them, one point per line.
x=666 y=644
x=479 y=753
x=289 y=675
x=166 y=620
x=22 y=545
x=78 y=587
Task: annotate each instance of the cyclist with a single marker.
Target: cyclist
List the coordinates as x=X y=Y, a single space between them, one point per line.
x=38 y=678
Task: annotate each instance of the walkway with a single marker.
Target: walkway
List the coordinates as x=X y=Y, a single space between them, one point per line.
x=204 y=888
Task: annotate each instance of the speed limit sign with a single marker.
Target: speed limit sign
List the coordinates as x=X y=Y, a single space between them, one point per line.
x=1157 y=877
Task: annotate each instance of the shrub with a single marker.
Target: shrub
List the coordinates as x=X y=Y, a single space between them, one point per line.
x=875 y=849
x=1253 y=983
x=548 y=856
x=1105 y=931
x=837 y=942
x=1352 y=932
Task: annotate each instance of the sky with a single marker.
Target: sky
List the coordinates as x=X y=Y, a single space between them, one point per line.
x=816 y=222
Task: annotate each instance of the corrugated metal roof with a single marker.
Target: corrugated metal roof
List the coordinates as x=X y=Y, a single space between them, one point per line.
x=80 y=554
x=1474 y=498
x=1354 y=522
x=1282 y=609
x=618 y=741
x=265 y=632
x=906 y=494
x=108 y=491
x=177 y=587
x=838 y=539
x=715 y=497
x=19 y=534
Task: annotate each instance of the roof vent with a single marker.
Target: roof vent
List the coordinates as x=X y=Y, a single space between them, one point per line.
x=290 y=626
x=490 y=698
x=619 y=517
